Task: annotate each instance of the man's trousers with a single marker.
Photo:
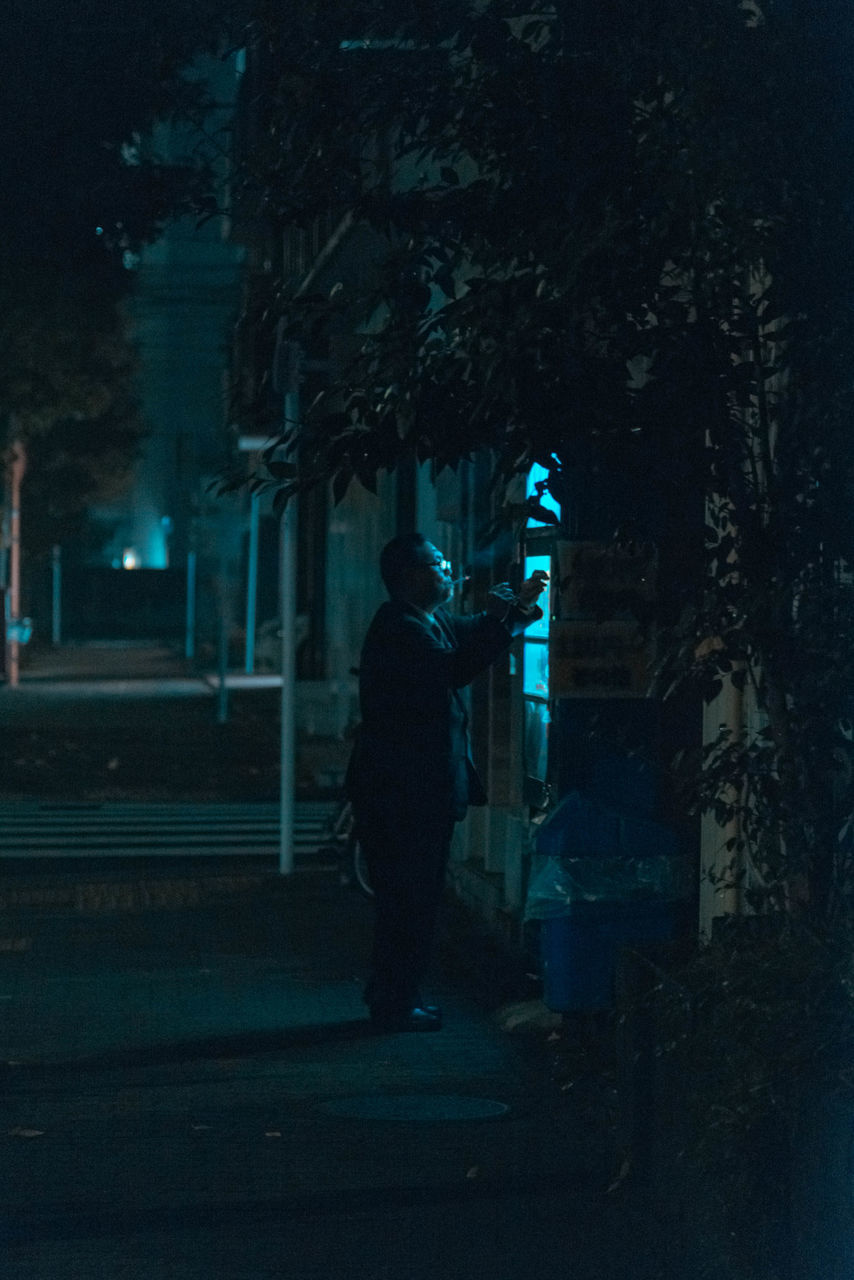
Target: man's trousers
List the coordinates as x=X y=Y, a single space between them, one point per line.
x=407 y=859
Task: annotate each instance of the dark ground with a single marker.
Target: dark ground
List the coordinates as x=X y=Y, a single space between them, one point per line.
x=186 y=1074
x=102 y=723
x=183 y=1090
x=129 y=758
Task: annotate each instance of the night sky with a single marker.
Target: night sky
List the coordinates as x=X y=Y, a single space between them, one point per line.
x=80 y=77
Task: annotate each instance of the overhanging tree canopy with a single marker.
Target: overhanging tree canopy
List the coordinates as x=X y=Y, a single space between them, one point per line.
x=616 y=237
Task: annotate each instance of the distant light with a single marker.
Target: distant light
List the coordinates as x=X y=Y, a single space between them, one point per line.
x=130 y=558
x=99 y=231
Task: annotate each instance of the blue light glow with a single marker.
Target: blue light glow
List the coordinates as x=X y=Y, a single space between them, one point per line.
x=536 y=475
x=540 y=630
x=535 y=676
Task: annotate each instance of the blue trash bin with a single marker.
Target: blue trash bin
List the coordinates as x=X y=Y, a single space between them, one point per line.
x=582 y=826
x=579 y=948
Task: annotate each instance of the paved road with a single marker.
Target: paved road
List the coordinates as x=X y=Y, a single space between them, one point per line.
x=183 y=1051
x=85 y=732
x=179 y=1098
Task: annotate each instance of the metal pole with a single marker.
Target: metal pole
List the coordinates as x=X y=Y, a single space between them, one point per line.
x=288 y=618
x=252 y=581
x=287 y=589
x=190 y=625
x=56 y=600
x=18 y=464
x=222 y=648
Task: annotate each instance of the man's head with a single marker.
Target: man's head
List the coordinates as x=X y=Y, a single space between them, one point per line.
x=414 y=570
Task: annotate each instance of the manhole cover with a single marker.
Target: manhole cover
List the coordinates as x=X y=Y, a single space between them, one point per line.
x=417 y=1107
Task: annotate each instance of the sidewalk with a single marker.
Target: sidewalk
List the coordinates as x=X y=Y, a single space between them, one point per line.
x=104 y=660
x=141 y=664
x=191 y=1090
x=103 y=722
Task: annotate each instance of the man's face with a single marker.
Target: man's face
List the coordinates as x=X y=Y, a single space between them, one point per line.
x=431 y=583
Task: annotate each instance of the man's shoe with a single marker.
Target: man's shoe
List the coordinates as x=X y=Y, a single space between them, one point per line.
x=414 y=1020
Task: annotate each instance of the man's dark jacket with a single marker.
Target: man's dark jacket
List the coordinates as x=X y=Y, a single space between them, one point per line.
x=411 y=757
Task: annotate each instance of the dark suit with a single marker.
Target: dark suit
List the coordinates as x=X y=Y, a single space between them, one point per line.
x=411 y=776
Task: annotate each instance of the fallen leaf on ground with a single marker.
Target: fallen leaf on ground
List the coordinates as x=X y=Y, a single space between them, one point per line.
x=625 y=1170
x=528 y=1015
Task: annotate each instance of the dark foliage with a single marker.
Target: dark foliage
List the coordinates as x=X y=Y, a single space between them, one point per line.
x=616 y=241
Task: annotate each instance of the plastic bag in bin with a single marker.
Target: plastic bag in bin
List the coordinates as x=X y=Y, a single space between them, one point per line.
x=583 y=827
x=562 y=882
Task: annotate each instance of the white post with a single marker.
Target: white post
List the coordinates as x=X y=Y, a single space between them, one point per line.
x=17 y=467
x=223 y=636
x=288 y=620
x=190 y=618
x=287 y=613
x=56 y=596
x=252 y=580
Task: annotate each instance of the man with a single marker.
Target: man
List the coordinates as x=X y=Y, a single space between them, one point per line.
x=411 y=776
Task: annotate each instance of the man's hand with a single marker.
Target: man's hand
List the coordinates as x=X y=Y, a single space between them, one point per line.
x=500 y=600
x=532 y=587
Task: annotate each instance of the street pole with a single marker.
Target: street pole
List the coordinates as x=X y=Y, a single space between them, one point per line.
x=56 y=596
x=17 y=467
x=288 y=617
x=190 y=620
x=287 y=592
x=252 y=580
x=222 y=642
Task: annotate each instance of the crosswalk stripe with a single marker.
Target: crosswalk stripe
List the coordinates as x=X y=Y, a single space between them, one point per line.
x=30 y=830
